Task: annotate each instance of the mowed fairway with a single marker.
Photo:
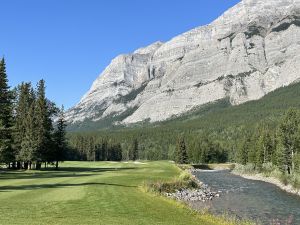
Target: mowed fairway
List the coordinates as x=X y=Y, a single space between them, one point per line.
x=91 y=193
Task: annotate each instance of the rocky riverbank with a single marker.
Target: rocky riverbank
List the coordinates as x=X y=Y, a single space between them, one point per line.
x=203 y=193
x=272 y=180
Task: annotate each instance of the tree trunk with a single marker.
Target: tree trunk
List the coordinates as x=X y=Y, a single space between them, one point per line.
x=293 y=162
x=38 y=165
x=56 y=165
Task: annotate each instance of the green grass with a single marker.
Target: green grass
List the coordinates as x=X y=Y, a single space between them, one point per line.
x=93 y=193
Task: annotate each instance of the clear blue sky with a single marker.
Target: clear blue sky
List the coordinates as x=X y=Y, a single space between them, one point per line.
x=69 y=42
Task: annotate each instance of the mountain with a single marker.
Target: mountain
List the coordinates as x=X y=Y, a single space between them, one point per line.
x=251 y=50
x=214 y=117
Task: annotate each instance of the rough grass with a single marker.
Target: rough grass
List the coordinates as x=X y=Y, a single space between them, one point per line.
x=93 y=193
x=185 y=180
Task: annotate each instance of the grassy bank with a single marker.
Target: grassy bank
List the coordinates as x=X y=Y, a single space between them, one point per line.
x=185 y=180
x=93 y=193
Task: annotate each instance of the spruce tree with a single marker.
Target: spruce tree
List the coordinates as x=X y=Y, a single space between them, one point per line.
x=29 y=145
x=289 y=140
x=44 y=125
x=104 y=150
x=264 y=144
x=134 y=150
x=243 y=151
x=60 y=138
x=203 y=148
x=181 y=152
x=118 y=152
x=6 y=118
x=24 y=101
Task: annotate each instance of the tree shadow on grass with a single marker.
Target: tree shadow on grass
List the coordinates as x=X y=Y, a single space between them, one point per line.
x=62 y=172
x=58 y=185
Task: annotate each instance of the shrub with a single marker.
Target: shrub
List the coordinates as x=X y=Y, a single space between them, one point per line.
x=245 y=169
x=184 y=181
x=268 y=168
x=295 y=181
x=185 y=176
x=284 y=179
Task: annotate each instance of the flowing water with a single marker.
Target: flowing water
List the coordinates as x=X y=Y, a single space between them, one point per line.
x=255 y=200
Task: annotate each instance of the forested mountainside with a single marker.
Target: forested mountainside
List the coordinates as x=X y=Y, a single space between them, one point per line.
x=218 y=123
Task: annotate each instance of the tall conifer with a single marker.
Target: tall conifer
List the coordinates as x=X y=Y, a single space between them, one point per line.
x=6 y=117
x=60 y=143
x=181 y=152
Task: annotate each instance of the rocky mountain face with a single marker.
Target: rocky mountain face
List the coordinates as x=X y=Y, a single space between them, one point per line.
x=251 y=50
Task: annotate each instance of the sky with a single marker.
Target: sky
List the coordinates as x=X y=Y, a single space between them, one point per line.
x=68 y=43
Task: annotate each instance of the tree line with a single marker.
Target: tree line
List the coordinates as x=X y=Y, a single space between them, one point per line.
x=97 y=148
x=279 y=145
x=181 y=148
x=275 y=141
x=28 y=137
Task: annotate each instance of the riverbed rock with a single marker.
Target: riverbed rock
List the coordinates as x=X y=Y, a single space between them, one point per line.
x=192 y=195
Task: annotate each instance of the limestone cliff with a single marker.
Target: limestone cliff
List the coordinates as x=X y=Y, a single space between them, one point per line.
x=251 y=50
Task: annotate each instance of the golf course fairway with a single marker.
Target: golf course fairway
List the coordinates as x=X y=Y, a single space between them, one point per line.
x=93 y=193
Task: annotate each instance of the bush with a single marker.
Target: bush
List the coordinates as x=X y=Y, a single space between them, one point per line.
x=245 y=169
x=185 y=181
x=185 y=176
x=268 y=168
x=276 y=173
x=184 y=166
x=295 y=181
x=284 y=179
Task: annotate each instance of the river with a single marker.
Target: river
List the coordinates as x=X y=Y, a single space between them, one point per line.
x=254 y=200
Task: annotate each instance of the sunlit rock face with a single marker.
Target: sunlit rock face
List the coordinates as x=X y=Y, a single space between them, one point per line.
x=249 y=51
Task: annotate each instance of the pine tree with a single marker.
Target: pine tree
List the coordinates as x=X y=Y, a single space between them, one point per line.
x=264 y=145
x=29 y=144
x=118 y=152
x=134 y=150
x=204 y=150
x=289 y=140
x=44 y=125
x=24 y=101
x=181 y=152
x=243 y=151
x=60 y=138
x=104 y=150
x=6 y=118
